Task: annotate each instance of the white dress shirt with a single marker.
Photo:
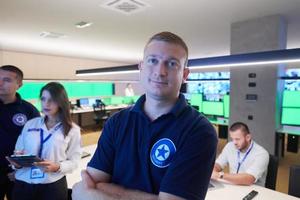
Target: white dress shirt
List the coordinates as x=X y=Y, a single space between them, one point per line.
x=60 y=149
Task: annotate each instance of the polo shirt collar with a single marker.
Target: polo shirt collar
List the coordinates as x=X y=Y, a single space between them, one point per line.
x=176 y=110
x=17 y=102
x=19 y=99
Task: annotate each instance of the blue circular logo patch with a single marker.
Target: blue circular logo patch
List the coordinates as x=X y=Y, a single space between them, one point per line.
x=162 y=153
x=19 y=119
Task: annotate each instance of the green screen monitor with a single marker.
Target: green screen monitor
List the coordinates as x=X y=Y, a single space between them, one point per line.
x=196 y=100
x=291 y=99
x=31 y=89
x=213 y=108
x=116 y=100
x=226 y=100
x=106 y=100
x=37 y=104
x=135 y=98
x=128 y=100
x=290 y=116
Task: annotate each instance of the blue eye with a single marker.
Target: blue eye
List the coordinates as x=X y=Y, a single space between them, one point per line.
x=172 y=64
x=152 y=61
x=7 y=80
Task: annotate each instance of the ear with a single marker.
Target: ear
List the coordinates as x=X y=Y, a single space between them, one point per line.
x=248 y=137
x=20 y=83
x=186 y=72
x=140 y=65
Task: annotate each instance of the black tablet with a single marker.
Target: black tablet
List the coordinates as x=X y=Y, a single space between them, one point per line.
x=25 y=160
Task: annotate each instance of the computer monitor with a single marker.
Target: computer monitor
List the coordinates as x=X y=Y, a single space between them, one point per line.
x=291 y=99
x=209 y=83
x=226 y=101
x=213 y=108
x=128 y=100
x=116 y=100
x=83 y=102
x=135 y=98
x=196 y=100
x=290 y=116
x=92 y=102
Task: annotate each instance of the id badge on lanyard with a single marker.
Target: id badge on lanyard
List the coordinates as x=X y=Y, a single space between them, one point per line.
x=37 y=172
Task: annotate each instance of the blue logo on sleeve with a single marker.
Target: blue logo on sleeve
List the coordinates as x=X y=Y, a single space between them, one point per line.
x=162 y=153
x=19 y=119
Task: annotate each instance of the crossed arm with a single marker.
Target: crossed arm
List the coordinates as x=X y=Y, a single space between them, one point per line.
x=96 y=185
x=238 y=179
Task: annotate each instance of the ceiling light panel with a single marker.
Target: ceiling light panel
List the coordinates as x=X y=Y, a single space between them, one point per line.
x=83 y=24
x=53 y=35
x=125 y=6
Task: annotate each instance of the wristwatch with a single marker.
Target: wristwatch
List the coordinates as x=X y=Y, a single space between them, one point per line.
x=221 y=175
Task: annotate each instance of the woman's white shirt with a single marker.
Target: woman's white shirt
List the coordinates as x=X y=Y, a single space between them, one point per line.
x=65 y=150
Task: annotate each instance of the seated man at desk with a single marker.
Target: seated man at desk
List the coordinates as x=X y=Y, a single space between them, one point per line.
x=248 y=161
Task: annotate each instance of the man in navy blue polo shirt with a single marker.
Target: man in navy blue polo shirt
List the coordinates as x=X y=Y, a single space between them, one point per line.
x=14 y=113
x=161 y=148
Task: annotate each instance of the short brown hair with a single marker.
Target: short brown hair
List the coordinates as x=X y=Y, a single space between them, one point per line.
x=170 y=38
x=240 y=126
x=12 y=68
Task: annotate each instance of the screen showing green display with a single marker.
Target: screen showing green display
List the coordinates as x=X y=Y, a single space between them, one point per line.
x=291 y=99
x=31 y=90
x=226 y=100
x=116 y=100
x=213 y=108
x=290 y=116
x=196 y=100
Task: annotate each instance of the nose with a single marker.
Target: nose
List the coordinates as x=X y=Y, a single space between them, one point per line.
x=161 y=69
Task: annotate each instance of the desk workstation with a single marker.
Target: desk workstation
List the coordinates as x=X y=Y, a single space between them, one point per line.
x=292 y=134
x=224 y=191
x=80 y=111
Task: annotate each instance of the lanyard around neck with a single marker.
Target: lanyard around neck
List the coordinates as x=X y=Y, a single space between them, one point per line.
x=240 y=162
x=43 y=141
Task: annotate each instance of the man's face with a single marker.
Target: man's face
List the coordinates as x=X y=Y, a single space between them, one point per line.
x=240 y=140
x=9 y=83
x=162 y=70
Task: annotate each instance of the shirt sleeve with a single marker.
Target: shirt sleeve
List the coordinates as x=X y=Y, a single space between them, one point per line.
x=222 y=159
x=189 y=173
x=260 y=166
x=103 y=158
x=73 y=152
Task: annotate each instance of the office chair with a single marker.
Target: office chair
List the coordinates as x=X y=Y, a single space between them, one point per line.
x=294 y=181
x=272 y=172
x=101 y=114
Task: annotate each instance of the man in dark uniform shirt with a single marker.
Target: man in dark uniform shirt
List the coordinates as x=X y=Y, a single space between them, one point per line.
x=161 y=148
x=14 y=113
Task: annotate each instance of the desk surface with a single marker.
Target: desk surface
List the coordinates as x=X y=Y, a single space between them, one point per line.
x=294 y=130
x=90 y=109
x=236 y=192
x=220 y=121
x=228 y=192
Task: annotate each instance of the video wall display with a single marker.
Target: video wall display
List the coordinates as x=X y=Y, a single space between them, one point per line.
x=292 y=85
x=209 y=92
x=213 y=85
x=31 y=89
x=290 y=114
